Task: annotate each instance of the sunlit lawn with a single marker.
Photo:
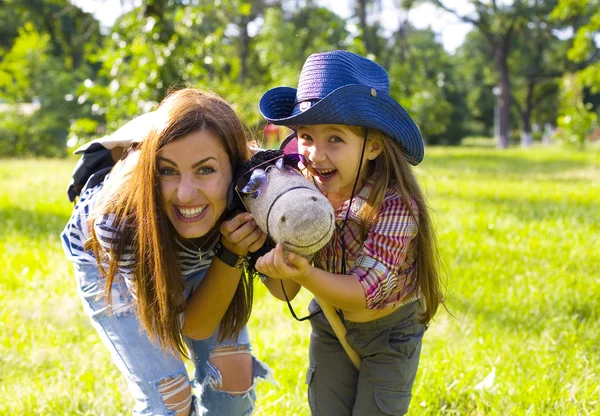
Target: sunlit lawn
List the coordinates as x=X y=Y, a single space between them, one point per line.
x=520 y=233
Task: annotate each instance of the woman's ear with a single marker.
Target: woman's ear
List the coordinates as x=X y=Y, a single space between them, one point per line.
x=374 y=148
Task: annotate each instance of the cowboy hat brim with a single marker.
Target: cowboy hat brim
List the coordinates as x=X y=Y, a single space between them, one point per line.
x=351 y=105
x=134 y=131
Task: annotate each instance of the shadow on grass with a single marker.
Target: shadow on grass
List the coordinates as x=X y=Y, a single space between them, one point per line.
x=30 y=223
x=535 y=209
x=491 y=162
x=522 y=318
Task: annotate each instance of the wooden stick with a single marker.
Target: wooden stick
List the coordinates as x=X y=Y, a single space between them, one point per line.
x=340 y=331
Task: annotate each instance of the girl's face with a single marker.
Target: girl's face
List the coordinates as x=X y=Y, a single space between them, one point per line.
x=333 y=153
x=195 y=173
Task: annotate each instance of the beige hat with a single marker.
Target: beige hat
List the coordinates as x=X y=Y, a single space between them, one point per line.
x=135 y=130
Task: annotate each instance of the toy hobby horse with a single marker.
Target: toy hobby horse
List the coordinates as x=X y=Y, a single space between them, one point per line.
x=291 y=210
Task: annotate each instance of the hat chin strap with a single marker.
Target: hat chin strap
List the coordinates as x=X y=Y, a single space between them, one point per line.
x=341 y=229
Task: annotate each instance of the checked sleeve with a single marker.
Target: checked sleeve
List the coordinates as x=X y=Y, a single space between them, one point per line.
x=385 y=265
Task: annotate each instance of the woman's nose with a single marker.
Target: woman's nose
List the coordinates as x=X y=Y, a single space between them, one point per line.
x=187 y=190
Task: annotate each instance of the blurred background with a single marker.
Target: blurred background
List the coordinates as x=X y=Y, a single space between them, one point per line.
x=516 y=70
x=505 y=92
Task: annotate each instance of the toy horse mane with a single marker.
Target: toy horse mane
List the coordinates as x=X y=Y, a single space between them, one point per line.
x=235 y=203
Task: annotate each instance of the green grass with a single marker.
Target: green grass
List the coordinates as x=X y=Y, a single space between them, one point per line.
x=520 y=234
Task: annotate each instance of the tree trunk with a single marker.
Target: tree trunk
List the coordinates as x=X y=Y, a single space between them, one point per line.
x=500 y=59
x=244 y=48
x=526 y=139
x=361 y=6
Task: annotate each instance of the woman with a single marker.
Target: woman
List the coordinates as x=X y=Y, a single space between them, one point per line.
x=142 y=242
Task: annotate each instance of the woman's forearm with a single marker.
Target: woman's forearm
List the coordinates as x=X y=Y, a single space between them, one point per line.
x=210 y=300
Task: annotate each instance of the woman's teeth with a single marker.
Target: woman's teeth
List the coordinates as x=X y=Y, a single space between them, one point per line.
x=191 y=212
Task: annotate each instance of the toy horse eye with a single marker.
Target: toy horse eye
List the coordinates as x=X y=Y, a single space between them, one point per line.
x=257 y=179
x=280 y=164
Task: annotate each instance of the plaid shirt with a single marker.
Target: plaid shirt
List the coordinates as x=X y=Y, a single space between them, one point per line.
x=384 y=262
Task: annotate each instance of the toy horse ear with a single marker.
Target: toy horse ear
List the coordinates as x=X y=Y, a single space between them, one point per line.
x=290 y=144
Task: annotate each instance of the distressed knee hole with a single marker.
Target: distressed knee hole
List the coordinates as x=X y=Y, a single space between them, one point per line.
x=234 y=365
x=176 y=394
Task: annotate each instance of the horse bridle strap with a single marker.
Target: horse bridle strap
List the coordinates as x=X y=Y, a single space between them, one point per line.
x=281 y=281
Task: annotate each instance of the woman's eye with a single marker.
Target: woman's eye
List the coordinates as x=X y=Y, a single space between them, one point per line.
x=306 y=137
x=166 y=171
x=206 y=170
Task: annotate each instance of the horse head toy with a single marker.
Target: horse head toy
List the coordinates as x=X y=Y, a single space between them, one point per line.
x=291 y=210
x=284 y=203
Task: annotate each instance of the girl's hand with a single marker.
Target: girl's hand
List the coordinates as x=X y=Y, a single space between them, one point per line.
x=274 y=265
x=241 y=235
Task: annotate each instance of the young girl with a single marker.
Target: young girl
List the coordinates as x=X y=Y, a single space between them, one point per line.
x=380 y=269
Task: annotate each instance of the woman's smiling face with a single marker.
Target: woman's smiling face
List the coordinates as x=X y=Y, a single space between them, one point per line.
x=195 y=173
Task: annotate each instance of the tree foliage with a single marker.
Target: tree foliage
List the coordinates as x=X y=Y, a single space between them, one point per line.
x=586 y=14
x=84 y=83
x=577 y=117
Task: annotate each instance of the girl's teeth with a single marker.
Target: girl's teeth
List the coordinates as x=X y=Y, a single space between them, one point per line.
x=191 y=212
x=326 y=172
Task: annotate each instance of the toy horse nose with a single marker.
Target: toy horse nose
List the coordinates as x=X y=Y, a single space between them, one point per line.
x=304 y=221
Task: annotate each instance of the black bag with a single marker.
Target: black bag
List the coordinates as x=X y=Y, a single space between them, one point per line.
x=93 y=166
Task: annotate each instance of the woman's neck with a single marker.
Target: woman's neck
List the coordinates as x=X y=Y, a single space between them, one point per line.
x=202 y=242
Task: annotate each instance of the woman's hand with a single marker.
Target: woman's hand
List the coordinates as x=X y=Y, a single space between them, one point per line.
x=274 y=265
x=241 y=234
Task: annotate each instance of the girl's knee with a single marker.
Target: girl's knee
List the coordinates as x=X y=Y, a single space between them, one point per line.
x=176 y=394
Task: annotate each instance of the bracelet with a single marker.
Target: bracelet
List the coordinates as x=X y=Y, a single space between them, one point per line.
x=229 y=257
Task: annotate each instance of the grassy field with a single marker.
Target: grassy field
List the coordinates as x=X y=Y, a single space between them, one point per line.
x=519 y=231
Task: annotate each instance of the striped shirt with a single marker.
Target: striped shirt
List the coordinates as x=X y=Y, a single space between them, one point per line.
x=384 y=262
x=77 y=232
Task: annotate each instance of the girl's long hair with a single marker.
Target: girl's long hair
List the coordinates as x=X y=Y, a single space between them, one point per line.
x=391 y=168
x=137 y=206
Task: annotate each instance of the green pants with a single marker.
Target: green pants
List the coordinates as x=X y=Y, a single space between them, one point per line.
x=389 y=348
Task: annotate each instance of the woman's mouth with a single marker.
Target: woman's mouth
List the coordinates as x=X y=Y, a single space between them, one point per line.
x=190 y=214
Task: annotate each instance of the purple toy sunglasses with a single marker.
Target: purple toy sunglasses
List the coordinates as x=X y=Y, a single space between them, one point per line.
x=252 y=180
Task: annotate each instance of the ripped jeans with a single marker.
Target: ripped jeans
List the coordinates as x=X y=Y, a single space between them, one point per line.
x=158 y=380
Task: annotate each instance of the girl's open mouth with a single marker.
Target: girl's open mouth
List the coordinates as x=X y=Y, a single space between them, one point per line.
x=325 y=173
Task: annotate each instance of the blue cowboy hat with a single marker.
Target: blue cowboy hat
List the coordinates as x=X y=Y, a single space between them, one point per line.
x=340 y=87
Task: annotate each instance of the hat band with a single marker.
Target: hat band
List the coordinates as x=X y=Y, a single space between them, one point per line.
x=302 y=106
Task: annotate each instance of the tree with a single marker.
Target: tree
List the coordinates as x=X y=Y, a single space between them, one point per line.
x=71 y=30
x=369 y=27
x=498 y=23
x=477 y=77
x=577 y=118
x=286 y=39
x=422 y=80
x=30 y=73
x=586 y=17
x=537 y=62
